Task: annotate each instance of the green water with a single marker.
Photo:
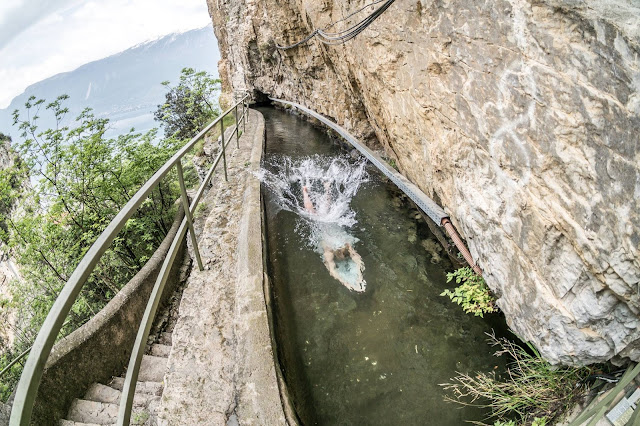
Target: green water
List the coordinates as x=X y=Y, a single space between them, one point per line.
x=376 y=357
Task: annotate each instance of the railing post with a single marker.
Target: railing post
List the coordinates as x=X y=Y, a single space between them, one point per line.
x=138 y=350
x=237 y=128
x=224 y=155
x=244 y=117
x=187 y=214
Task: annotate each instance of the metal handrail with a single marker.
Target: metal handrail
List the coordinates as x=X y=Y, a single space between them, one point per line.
x=596 y=410
x=32 y=374
x=15 y=360
x=129 y=387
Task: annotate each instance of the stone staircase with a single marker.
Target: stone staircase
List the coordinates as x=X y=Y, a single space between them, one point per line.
x=100 y=404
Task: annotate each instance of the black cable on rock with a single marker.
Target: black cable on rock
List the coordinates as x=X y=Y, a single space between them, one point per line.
x=354 y=13
x=344 y=35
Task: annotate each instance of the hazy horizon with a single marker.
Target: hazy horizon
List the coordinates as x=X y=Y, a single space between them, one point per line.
x=124 y=87
x=42 y=38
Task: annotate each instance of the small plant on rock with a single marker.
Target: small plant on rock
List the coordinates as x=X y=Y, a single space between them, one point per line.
x=392 y=163
x=140 y=418
x=472 y=294
x=507 y=423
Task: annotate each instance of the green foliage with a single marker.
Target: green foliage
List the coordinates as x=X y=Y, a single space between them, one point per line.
x=532 y=391
x=188 y=107
x=538 y=421
x=472 y=294
x=12 y=182
x=201 y=209
x=81 y=180
x=11 y=377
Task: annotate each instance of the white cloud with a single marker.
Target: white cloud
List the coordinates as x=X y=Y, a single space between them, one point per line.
x=21 y=15
x=63 y=35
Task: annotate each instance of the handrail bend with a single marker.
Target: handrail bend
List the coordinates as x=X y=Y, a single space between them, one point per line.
x=32 y=374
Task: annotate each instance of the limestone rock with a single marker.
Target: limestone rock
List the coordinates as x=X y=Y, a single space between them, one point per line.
x=521 y=116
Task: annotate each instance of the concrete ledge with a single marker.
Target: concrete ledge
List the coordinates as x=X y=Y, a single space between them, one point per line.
x=221 y=368
x=257 y=384
x=101 y=348
x=5 y=411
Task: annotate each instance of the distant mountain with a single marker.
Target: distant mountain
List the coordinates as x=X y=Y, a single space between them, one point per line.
x=124 y=87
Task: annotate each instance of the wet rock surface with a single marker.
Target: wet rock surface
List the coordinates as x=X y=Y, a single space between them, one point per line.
x=520 y=117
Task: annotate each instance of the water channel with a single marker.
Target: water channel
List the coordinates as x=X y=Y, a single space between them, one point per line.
x=363 y=335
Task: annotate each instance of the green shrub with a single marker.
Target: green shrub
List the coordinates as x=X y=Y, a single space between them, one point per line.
x=533 y=392
x=189 y=106
x=472 y=294
x=80 y=180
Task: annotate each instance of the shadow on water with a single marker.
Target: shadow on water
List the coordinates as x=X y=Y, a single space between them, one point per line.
x=374 y=355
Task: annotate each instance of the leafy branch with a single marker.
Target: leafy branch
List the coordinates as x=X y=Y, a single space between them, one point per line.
x=472 y=294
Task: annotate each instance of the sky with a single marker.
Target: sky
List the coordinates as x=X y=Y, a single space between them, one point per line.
x=41 y=38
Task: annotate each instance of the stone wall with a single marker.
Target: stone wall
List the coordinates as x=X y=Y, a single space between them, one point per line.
x=520 y=116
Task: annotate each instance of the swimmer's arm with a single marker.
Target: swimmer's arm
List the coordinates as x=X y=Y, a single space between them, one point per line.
x=308 y=204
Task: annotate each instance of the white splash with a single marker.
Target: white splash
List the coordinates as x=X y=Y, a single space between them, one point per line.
x=330 y=184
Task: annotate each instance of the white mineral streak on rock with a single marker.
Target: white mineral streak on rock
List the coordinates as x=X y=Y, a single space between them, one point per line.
x=521 y=117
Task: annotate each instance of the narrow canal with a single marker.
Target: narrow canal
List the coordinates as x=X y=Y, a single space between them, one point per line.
x=363 y=335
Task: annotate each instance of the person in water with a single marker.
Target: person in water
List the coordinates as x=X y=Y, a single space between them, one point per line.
x=342 y=254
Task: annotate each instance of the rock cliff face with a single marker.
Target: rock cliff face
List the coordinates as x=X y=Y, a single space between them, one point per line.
x=520 y=117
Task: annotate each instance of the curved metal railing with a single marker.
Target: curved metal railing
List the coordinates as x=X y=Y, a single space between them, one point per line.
x=34 y=367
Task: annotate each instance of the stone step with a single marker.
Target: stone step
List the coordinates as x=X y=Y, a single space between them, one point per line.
x=145 y=416
x=100 y=393
x=83 y=409
x=93 y=412
x=160 y=350
x=152 y=369
x=149 y=388
x=72 y=423
x=165 y=338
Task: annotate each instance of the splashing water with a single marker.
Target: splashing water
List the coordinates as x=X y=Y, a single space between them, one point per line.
x=330 y=183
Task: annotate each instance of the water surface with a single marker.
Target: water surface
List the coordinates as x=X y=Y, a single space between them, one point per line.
x=360 y=356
